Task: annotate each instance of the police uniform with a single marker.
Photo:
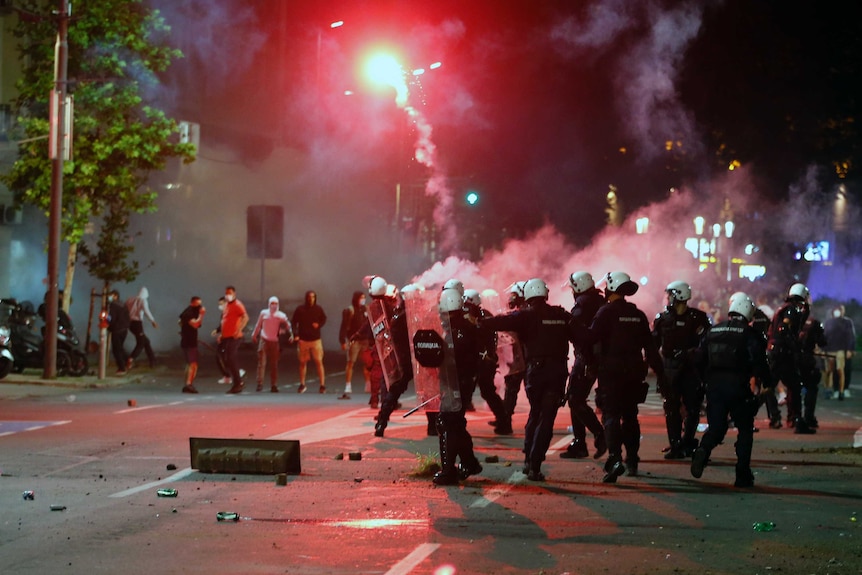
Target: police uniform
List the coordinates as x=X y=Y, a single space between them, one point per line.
x=487 y=369
x=545 y=332
x=811 y=337
x=401 y=343
x=581 y=381
x=676 y=334
x=731 y=353
x=622 y=335
x=784 y=354
x=455 y=440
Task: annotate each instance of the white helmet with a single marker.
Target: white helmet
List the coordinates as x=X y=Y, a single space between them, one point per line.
x=800 y=291
x=581 y=282
x=535 y=288
x=516 y=288
x=450 y=300
x=391 y=290
x=454 y=284
x=678 y=291
x=740 y=303
x=412 y=287
x=376 y=286
x=473 y=296
x=620 y=283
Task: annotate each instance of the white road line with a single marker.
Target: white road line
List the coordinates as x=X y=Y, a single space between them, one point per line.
x=343 y=426
x=153 y=484
x=143 y=407
x=416 y=557
x=497 y=492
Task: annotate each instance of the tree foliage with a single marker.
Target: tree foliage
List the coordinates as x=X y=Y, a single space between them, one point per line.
x=116 y=50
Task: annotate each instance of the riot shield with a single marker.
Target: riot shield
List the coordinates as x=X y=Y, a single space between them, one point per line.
x=380 y=317
x=510 y=354
x=434 y=373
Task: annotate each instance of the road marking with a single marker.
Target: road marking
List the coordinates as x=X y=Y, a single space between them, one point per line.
x=496 y=492
x=11 y=427
x=153 y=484
x=343 y=426
x=143 y=407
x=416 y=557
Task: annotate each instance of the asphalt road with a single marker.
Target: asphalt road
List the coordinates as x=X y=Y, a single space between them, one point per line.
x=78 y=444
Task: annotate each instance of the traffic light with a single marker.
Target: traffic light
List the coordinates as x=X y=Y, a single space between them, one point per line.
x=472 y=198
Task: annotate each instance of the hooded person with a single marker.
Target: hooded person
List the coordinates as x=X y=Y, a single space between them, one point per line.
x=139 y=308
x=271 y=324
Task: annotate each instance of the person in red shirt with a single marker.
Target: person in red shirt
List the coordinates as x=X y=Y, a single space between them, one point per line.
x=233 y=320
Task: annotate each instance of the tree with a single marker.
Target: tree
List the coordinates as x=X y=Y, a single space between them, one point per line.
x=116 y=50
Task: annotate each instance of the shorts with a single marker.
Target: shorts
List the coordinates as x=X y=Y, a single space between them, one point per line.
x=310 y=350
x=836 y=360
x=355 y=349
x=191 y=354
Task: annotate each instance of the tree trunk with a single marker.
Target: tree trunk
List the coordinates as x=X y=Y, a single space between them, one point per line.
x=70 y=277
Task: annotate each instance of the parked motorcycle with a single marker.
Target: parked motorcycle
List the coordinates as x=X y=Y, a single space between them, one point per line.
x=7 y=361
x=28 y=346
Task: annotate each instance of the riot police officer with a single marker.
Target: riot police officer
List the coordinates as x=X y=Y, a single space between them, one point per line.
x=677 y=331
x=455 y=440
x=588 y=300
x=730 y=354
x=545 y=332
x=784 y=352
x=622 y=336
x=515 y=374
x=388 y=308
x=811 y=337
x=487 y=368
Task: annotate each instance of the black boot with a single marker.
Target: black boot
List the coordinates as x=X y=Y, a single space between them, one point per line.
x=601 y=445
x=448 y=474
x=675 y=451
x=576 y=450
x=802 y=428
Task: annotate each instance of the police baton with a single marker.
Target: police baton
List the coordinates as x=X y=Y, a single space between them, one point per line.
x=421 y=405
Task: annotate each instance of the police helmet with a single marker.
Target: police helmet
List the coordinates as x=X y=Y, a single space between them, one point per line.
x=376 y=286
x=678 y=292
x=412 y=287
x=517 y=288
x=535 y=288
x=450 y=300
x=454 y=284
x=741 y=304
x=581 y=282
x=620 y=283
x=800 y=291
x=391 y=291
x=473 y=296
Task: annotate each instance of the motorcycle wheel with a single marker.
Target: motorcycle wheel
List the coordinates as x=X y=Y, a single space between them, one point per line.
x=64 y=363
x=79 y=364
x=5 y=367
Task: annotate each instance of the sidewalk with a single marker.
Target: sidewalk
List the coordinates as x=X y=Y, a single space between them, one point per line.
x=30 y=383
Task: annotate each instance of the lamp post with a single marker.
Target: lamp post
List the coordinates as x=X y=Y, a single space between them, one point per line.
x=58 y=149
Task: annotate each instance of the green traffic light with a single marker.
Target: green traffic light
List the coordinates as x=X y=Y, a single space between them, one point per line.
x=472 y=198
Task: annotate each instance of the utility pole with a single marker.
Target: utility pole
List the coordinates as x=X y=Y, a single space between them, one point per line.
x=58 y=149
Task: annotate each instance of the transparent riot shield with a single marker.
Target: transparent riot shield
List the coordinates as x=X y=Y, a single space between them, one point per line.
x=434 y=374
x=509 y=351
x=380 y=316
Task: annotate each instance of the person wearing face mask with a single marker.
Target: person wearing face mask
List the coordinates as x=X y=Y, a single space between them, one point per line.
x=307 y=320
x=118 y=325
x=190 y=321
x=233 y=320
x=353 y=342
x=840 y=343
x=270 y=324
